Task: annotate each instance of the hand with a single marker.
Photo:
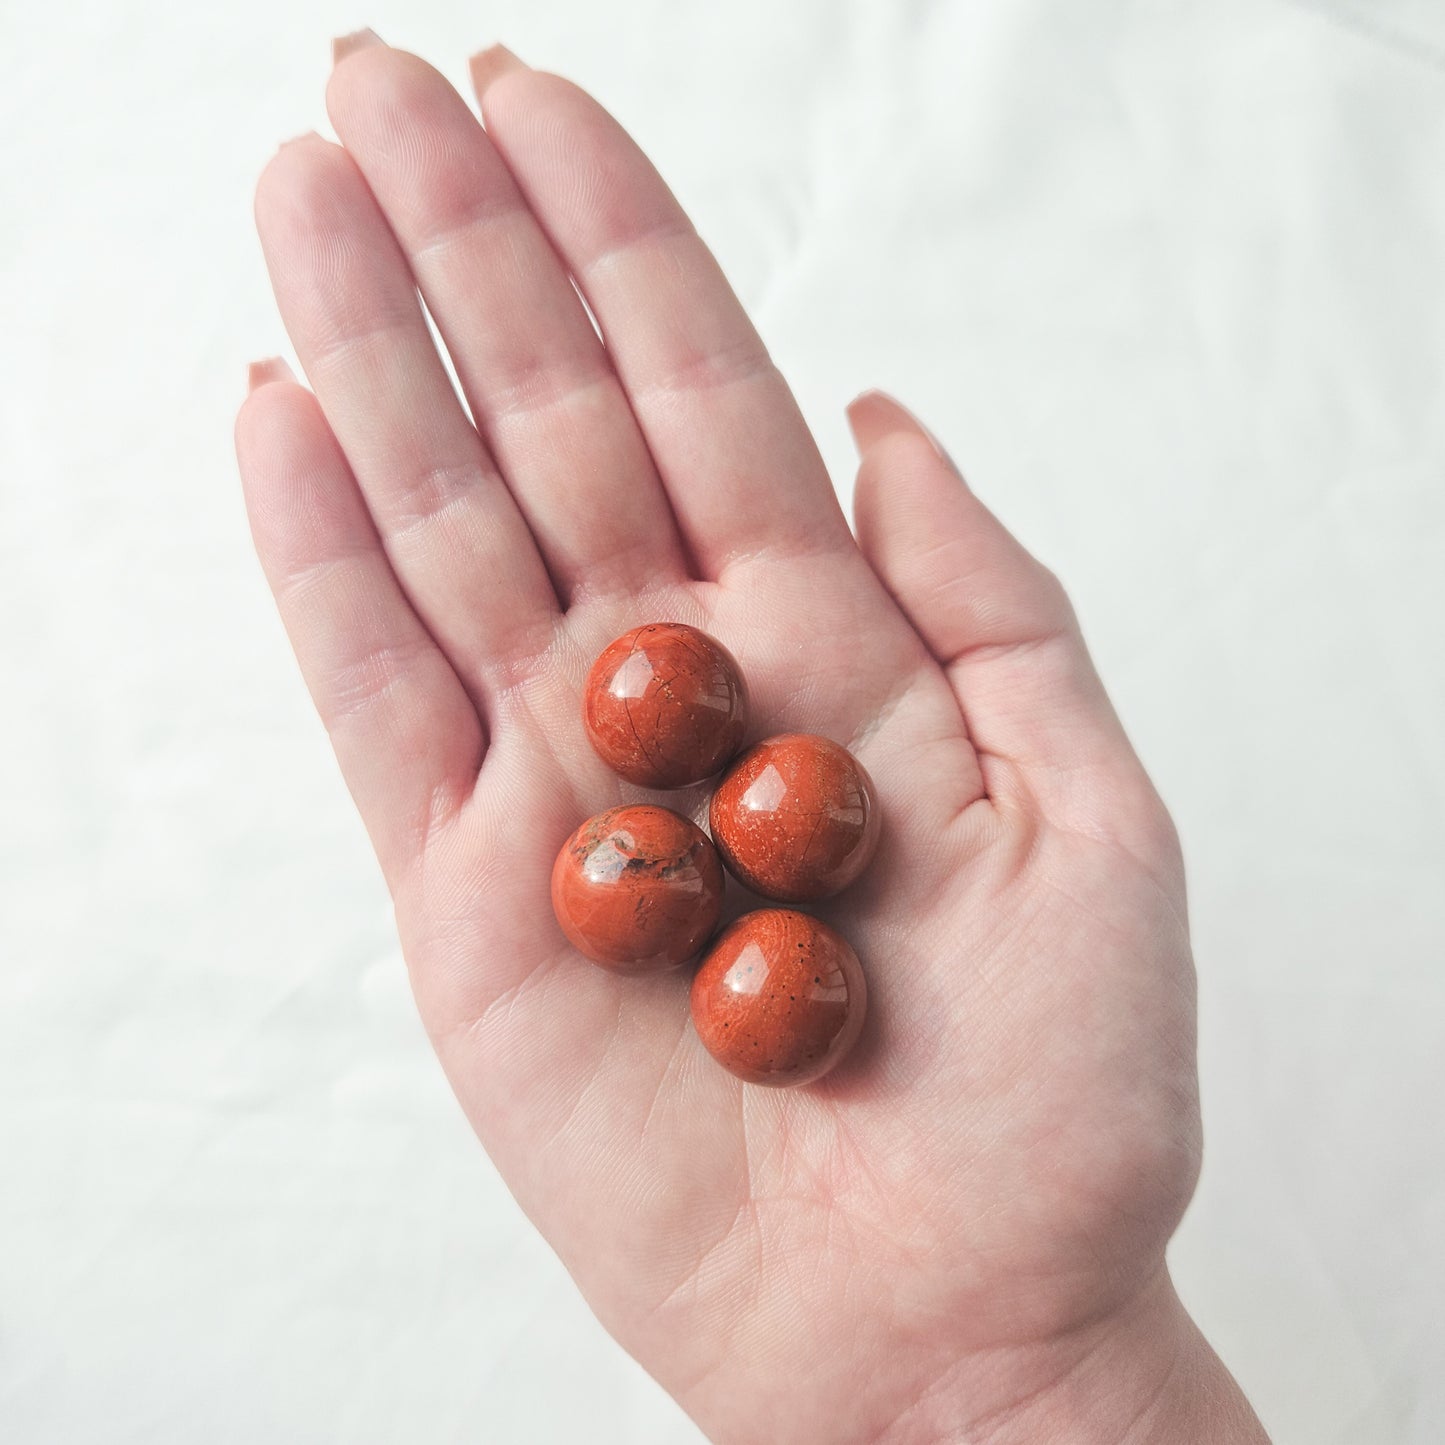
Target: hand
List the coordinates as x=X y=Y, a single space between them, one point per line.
x=960 y=1234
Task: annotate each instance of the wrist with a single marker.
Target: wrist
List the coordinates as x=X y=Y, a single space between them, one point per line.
x=1144 y=1375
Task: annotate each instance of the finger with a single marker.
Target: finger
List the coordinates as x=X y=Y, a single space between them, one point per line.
x=739 y=464
x=1000 y=625
x=452 y=531
x=408 y=738
x=533 y=368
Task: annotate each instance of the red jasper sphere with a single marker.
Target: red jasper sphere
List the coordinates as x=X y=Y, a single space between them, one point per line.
x=780 y=998
x=796 y=818
x=637 y=889
x=665 y=705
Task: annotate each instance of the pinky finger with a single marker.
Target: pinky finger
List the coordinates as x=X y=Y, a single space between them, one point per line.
x=405 y=732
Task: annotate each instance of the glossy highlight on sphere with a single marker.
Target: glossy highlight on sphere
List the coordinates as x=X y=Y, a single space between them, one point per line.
x=796 y=818
x=780 y=998
x=665 y=705
x=637 y=889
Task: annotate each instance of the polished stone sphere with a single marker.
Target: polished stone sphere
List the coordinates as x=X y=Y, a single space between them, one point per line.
x=665 y=705
x=637 y=889
x=796 y=818
x=779 y=998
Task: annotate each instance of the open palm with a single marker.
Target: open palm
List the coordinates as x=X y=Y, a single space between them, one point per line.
x=979 y=1198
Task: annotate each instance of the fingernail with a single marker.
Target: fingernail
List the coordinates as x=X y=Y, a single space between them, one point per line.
x=487 y=65
x=264 y=372
x=345 y=45
x=874 y=414
x=305 y=135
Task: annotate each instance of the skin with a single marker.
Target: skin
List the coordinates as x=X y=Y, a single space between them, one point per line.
x=960 y=1233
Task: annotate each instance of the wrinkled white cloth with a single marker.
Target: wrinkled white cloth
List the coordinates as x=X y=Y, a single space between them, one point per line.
x=1165 y=278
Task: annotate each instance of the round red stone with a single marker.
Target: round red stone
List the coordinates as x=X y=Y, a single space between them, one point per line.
x=780 y=998
x=665 y=705
x=796 y=818
x=637 y=889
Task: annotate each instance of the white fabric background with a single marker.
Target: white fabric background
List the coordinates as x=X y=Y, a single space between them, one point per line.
x=1165 y=277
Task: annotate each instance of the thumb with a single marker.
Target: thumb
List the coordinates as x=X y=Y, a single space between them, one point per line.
x=1003 y=630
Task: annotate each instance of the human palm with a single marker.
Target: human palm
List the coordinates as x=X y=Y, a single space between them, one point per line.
x=978 y=1199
